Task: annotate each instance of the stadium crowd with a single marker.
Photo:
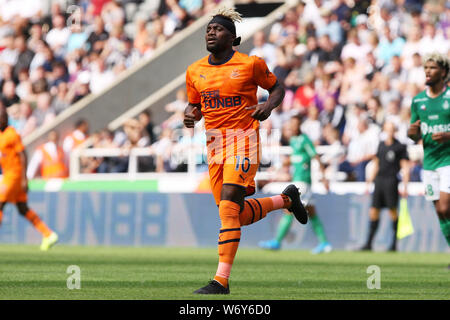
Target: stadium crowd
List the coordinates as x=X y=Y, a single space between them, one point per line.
x=54 y=53
x=347 y=66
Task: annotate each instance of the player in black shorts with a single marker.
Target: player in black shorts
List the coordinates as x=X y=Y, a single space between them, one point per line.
x=390 y=158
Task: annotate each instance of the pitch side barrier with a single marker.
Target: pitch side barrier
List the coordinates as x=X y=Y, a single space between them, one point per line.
x=111 y=218
x=194 y=157
x=151 y=83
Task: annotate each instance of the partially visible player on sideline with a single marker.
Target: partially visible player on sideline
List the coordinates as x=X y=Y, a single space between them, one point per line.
x=222 y=87
x=303 y=151
x=14 y=185
x=390 y=159
x=430 y=121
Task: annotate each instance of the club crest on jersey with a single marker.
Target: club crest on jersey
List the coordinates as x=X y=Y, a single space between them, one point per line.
x=235 y=74
x=423 y=107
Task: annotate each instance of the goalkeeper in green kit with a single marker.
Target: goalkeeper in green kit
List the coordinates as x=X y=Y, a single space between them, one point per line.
x=303 y=152
x=430 y=121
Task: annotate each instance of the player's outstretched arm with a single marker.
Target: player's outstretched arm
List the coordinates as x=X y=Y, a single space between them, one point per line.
x=192 y=113
x=263 y=110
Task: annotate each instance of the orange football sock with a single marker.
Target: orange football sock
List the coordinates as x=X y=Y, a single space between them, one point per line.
x=1 y=216
x=37 y=223
x=229 y=237
x=257 y=209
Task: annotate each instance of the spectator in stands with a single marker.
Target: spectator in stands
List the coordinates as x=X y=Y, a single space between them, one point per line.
x=145 y=119
x=389 y=46
x=113 y=15
x=76 y=137
x=375 y=111
x=361 y=149
x=98 y=37
x=58 y=74
x=415 y=74
x=58 y=36
x=100 y=76
x=311 y=125
x=162 y=149
x=353 y=82
x=332 y=114
x=334 y=154
x=9 y=96
x=77 y=38
x=60 y=102
x=9 y=54
x=24 y=87
x=36 y=36
x=263 y=49
x=304 y=95
x=432 y=41
x=49 y=159
x=43 y=114
x=354 y=48
x=396 y=74
x=25 y=123
x=142 y=35
x=176 y=108
x=24 y=55
x=79 y=88
x=330 y=26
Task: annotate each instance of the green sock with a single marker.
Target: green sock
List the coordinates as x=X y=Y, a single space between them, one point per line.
x=318 y=229
x=283 y=226
x=445 y=228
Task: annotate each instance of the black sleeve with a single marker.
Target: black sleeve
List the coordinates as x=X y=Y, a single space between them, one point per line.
x=403 y=152
x=378 y=154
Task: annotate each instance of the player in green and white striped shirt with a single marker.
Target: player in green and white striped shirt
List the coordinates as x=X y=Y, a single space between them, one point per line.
x=430 y=121
x=303 y=151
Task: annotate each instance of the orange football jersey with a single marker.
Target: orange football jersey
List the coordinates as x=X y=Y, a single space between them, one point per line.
x=224 y=90
x=10 y=147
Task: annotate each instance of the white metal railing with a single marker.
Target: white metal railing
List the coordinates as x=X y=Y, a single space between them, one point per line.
x=189 y=154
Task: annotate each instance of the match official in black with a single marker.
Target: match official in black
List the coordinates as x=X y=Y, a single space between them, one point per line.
x=390 y=159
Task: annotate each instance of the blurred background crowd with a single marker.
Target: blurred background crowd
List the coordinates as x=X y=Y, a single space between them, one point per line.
x=347 y=66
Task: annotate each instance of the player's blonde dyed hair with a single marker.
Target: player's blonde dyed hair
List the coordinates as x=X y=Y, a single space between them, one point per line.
x=441 y=60
x=229 y=13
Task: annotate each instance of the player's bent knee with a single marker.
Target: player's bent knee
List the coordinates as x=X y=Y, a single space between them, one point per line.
x=22 y=208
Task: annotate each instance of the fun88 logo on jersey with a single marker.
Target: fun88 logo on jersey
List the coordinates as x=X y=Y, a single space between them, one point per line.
x=213 y=100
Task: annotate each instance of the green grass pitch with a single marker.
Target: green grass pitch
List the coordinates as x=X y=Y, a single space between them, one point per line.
x=155 y=273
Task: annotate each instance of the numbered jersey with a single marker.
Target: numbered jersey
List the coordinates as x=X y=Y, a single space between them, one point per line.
x=434 y=116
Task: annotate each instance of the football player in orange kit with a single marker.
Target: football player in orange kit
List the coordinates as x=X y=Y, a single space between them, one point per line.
x=14 y=185
x=221 y=87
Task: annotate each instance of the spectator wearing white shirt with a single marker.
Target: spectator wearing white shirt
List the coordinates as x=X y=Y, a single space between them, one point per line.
x=58 y=36
x=312 y=126
x=432 y=41
x=354 y=49
x=361 y=149
x=264 y=50
x=9 y=54
x=334 y=154
x=100 y=76
x=415 y=73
